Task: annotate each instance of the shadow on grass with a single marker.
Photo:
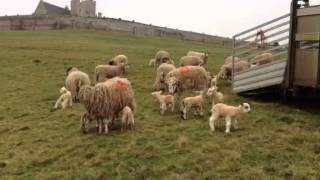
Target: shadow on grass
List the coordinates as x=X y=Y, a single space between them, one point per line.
x=308 y=101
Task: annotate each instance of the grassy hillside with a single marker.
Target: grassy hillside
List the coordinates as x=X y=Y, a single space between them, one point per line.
x=274 y=141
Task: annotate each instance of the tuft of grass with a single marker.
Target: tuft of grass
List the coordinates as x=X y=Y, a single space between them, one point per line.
x=275 y=141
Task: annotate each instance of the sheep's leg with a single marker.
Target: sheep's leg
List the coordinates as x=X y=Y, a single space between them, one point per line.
x=184 y=113
x=235 y=125
x=172 y=107
x=106 y=123
x=64 y=104
x=201 y=111
x=212 y=121
x=70 y=102
x=100 y=126
x=228 y=124
x=58 y=102
x=163 y=108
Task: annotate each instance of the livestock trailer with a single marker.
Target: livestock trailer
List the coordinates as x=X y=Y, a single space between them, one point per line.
x=293 y=39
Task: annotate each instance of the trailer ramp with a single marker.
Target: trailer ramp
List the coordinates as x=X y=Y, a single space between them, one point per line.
x=270 y=37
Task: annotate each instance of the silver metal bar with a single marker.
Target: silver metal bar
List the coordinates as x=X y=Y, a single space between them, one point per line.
x=266 y=30
x=264 y=24
x=277 y=40
x=270 y=36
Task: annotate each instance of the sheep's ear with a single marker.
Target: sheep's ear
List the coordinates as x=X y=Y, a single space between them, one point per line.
x=111 y=62
x=67 y=71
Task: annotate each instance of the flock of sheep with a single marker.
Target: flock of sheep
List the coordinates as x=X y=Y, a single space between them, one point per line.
x=112 y=97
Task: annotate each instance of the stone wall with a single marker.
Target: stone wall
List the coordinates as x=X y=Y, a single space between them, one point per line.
x=105 y=24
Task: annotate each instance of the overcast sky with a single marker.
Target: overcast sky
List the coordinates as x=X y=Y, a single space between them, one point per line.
x=215 y=17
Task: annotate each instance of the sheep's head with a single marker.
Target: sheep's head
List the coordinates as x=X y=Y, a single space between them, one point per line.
x=172 y=84
x=63 y=90
x=156 y=93
x=212 y=90
x=70 y=69
x=245 y=107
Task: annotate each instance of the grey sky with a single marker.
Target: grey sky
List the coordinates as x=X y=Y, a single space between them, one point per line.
x=216 y=17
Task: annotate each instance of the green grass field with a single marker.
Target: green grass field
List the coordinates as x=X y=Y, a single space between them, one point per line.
x=275 y=141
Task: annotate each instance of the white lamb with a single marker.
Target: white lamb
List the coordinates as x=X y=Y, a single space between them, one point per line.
x=220 y=111
x=65 y=100
x=214 y=81
x=165 y=101
x=217 y=97
x=195 y=102
x=127 y=119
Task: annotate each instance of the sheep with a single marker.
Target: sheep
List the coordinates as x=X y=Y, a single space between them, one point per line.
x=187 y=78
x=165 y=101
x=127 y=119
x=119 y=59
x=217 y=97
x=195 y=102
x=263 y=58
x=75 y=80
x=229 y=59
x=226 y=69
x=152 y=63
x=230 y=113
x=162 y=71
x=162 y=57
x=105 y=100
x=201 y=55
x=104 y=72
x=65 y=100
x=191 y=61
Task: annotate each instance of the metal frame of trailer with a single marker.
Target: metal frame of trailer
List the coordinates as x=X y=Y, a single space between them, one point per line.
x=294 y=41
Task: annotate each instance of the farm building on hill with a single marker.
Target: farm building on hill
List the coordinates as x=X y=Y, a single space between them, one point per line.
x=45 y=8
x=84 y=8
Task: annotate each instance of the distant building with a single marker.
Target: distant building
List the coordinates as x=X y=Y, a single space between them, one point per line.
x=45 y=8
x=83 y=8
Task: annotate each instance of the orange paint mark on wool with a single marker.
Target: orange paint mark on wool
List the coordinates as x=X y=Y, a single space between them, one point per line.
x=184 y=70
x=121 y=85
x=168 y=98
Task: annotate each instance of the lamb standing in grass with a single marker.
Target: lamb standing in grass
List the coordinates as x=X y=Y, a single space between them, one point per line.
x=152 y=63
x=195 y=102
x=127 y=119
x=214 y=81
x=229 y=113
x=165 y=101
x=65 y=100
x=217 y=97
